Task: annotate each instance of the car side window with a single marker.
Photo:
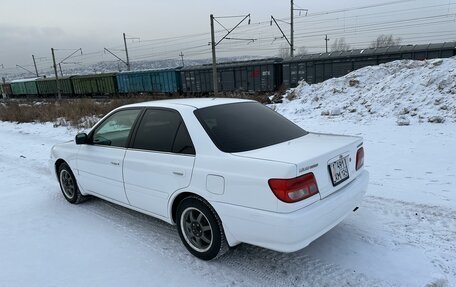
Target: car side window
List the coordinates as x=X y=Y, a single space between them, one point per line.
x=115 y=130
x=163 y=130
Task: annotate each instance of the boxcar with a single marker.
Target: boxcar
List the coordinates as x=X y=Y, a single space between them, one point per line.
x=91 y=85
x=153 y=81
x=263 y=75
x=24 y=87
x=316 y=68
x=48 y=86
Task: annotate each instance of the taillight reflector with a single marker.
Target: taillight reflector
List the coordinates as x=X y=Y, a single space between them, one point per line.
x=294 y=189
x=359 y=158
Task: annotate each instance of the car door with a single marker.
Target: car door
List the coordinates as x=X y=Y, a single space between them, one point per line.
x=100 y=162
x=159 y=162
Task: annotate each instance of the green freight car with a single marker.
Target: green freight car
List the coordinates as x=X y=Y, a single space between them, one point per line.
x=25 y=87
x=48 y=86
x=92 y=85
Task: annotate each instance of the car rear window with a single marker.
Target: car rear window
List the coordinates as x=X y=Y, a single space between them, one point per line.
x=246 y=126
x=163 y=130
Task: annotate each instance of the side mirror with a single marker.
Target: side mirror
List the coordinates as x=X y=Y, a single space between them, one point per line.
x=81 y=138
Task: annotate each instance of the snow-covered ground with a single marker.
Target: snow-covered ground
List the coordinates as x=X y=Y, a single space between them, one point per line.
x=404 y=233
x=414 y=91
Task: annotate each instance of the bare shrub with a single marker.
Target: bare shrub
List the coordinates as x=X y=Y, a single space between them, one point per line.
x=340 y=45
x=71 y=110
x=385 y=41
x=83 y=112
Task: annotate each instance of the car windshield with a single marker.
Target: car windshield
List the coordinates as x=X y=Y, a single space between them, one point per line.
x=246 y=126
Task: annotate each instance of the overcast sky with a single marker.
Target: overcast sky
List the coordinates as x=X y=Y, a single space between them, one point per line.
x=33 y=27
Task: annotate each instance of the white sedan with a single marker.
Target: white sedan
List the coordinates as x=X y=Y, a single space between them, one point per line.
x=225 y=171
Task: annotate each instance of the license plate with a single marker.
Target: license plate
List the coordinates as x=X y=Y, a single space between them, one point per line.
x=338 y=170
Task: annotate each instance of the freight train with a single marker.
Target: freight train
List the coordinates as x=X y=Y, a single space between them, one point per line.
x=254 y=76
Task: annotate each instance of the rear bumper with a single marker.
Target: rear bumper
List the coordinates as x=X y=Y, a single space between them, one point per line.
x=289 y=232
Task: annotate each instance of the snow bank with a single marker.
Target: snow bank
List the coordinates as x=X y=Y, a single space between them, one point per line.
x=406 y=90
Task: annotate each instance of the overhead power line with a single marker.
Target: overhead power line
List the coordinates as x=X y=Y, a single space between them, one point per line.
x=357 y=24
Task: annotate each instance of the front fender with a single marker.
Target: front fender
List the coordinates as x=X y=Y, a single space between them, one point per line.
x=66 y=152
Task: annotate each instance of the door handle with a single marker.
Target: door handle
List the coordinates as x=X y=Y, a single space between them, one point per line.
x=178 y=173
x=115 y=163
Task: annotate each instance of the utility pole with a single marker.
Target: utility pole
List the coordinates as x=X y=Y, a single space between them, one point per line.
x=59 y=94
x=126 y=52
x=280 y=29
x=214 y=59
x=291 y=41
x=326 y=40
x=34 y=63
x=214 y=44
x=182 y=57
x=127 y=63
x=291 y=30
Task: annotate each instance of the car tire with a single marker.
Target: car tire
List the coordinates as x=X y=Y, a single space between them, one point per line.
x=68 y=185
x=200 y=229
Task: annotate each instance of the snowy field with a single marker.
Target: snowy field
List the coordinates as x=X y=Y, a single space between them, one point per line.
x=404 y=233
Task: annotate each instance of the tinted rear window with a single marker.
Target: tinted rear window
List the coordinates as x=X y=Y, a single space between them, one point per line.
x=246 y=126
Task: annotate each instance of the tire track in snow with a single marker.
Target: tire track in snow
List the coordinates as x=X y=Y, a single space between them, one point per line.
x=162 y=238
x=245 y=265
x=418 y=217
x=261 y=267
x=431 y=228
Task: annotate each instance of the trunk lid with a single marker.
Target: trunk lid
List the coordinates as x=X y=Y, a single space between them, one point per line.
x=314 y=153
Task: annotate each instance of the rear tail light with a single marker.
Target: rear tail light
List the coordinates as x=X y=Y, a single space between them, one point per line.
x=359 y=158
x=294 y=189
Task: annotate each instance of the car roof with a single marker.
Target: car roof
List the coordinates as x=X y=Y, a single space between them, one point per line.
x=195 y=103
